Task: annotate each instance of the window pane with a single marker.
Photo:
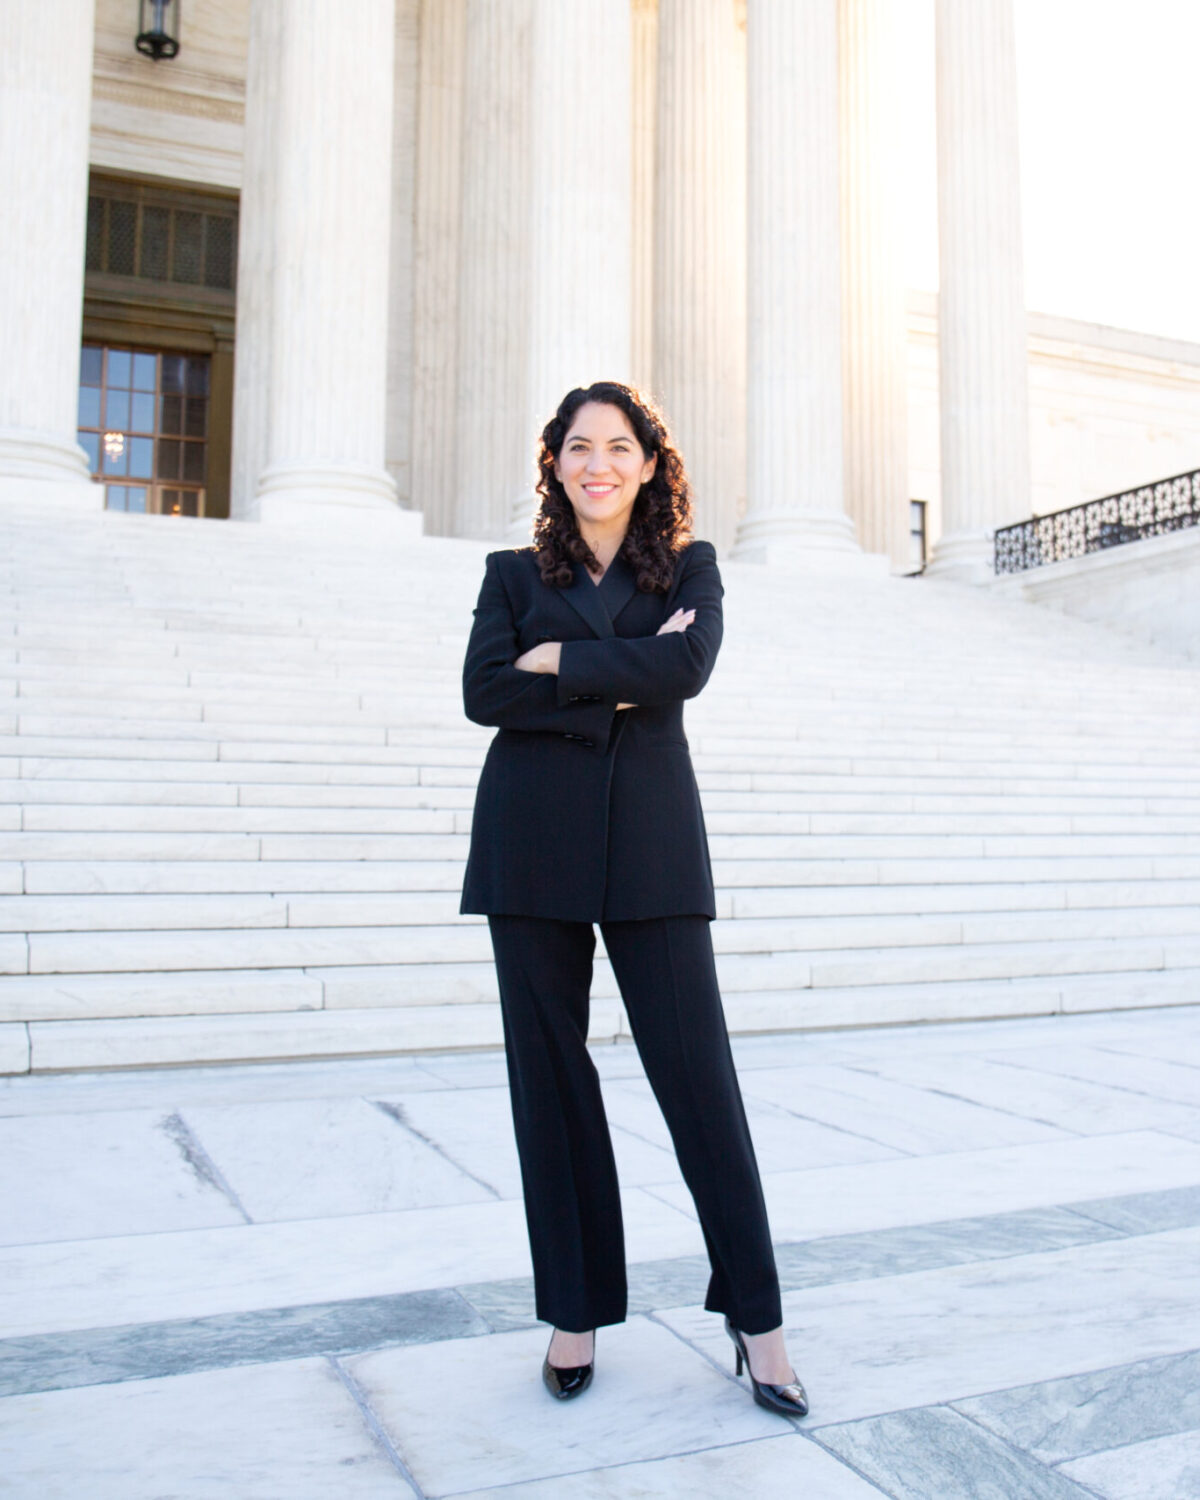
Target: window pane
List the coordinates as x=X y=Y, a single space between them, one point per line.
x=116 y=459
x=114 y=497
x=120 y=367
x=91 y=360
x=167 y=466
x=170 y=502
x=122 y=233
x=141 y=458
x=145 y=367
x=95 y=234
x=197 y=415
x=188 y=228
x=90 y=443
x=218 y=251
x=116 y=411
x=193 y=462
x=172 y=414
x=135 y=499
x=197 y=376
x=172 y=373
x=142 y=415
x=154 y=243
x=89 y=406
x=190 y=503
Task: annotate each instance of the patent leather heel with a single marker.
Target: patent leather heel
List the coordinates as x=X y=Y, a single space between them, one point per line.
x=566 y=1382
x=787 y=1400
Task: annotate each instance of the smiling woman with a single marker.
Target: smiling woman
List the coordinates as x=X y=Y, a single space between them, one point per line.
x=584 y=648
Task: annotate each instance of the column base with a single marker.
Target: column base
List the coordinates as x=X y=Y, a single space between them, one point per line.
x=807 y=542
x=334 y=500
x=964 y=557
x=40 y=468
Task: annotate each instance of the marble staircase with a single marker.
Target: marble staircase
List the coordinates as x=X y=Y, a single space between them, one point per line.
x=236 y=787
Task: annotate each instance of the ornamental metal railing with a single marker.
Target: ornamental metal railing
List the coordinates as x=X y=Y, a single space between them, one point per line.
x=1152 y=509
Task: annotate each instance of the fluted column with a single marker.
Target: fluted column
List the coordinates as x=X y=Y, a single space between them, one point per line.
x=323 y=218
x=581 y=210
x=981 y=310
x=699 y=259
x=874 y=335
x=45 y=99
x=794 y=508
x=435 y=272
x=494 y=444
x=644 y=71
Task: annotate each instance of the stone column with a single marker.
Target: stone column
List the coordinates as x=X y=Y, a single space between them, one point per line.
x=874 y=332
x=256 y=263
x=45 y=100
x=794 y=510
x=644 y=73
x=699 y=254
x=325 y=219
x=581 y=210
x=440 y=112
x=493 y=445
x=981 y=312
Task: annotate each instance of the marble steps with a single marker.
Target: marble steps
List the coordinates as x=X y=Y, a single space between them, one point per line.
x=162 y=1040
x=1113 y=906
x=796 y=952
x=57 y=797
x=235 y=784
x=225 y=782
x=430 y=816
x=94 y=875
x=83 y=845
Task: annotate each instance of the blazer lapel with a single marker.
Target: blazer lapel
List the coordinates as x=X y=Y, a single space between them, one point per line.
x=585 y=597
x=617 y=587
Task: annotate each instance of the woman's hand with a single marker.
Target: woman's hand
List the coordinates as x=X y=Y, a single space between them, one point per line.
x=540 y=658
x=680 y=620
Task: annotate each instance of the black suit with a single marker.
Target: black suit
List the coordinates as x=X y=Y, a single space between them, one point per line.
x=585 y=814
x=582 y=812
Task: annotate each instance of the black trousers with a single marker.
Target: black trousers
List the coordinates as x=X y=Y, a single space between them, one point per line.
x=664 y=968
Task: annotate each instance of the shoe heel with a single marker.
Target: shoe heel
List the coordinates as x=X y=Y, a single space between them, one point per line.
x=738 y=1357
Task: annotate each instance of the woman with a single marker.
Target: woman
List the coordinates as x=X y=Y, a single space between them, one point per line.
x=583 y=649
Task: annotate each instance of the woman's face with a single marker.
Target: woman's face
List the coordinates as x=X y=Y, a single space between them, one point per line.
x=602 y=467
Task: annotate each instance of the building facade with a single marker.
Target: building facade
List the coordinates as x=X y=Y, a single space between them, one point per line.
x=336 y=261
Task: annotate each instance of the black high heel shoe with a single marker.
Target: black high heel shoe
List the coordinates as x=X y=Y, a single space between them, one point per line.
x=565 y=1382
x=788 y=1400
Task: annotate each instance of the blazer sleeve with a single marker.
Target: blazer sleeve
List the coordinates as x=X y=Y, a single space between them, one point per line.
x=653 y=669
x=497 y=693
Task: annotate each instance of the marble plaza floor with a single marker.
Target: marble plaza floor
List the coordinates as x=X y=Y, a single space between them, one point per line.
x=310 y=1280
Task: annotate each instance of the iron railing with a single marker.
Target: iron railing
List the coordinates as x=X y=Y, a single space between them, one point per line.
x=1167 y=505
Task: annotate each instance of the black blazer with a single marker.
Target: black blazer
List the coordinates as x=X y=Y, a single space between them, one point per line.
x=583 y=813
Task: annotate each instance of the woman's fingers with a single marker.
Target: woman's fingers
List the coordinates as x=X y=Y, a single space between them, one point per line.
x=680 y=620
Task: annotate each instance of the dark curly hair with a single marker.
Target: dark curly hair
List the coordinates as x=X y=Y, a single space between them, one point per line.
x=661 y=523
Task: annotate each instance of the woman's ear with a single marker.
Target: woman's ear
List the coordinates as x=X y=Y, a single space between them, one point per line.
x=649 y=467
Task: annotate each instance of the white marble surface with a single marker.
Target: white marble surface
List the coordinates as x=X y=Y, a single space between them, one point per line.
x=480 y=1137
x=78 y=1176
x=1139 y=1075
x=1166 y=1468
x=784 y=1465
x=145 y=1278
x=954 y=1185
x=894 y=1114
x=931 y=1336
x=320 y=1158
x=651 y=1396
x=257 y=1432
x=1069 y=1103
x=781 y=1140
